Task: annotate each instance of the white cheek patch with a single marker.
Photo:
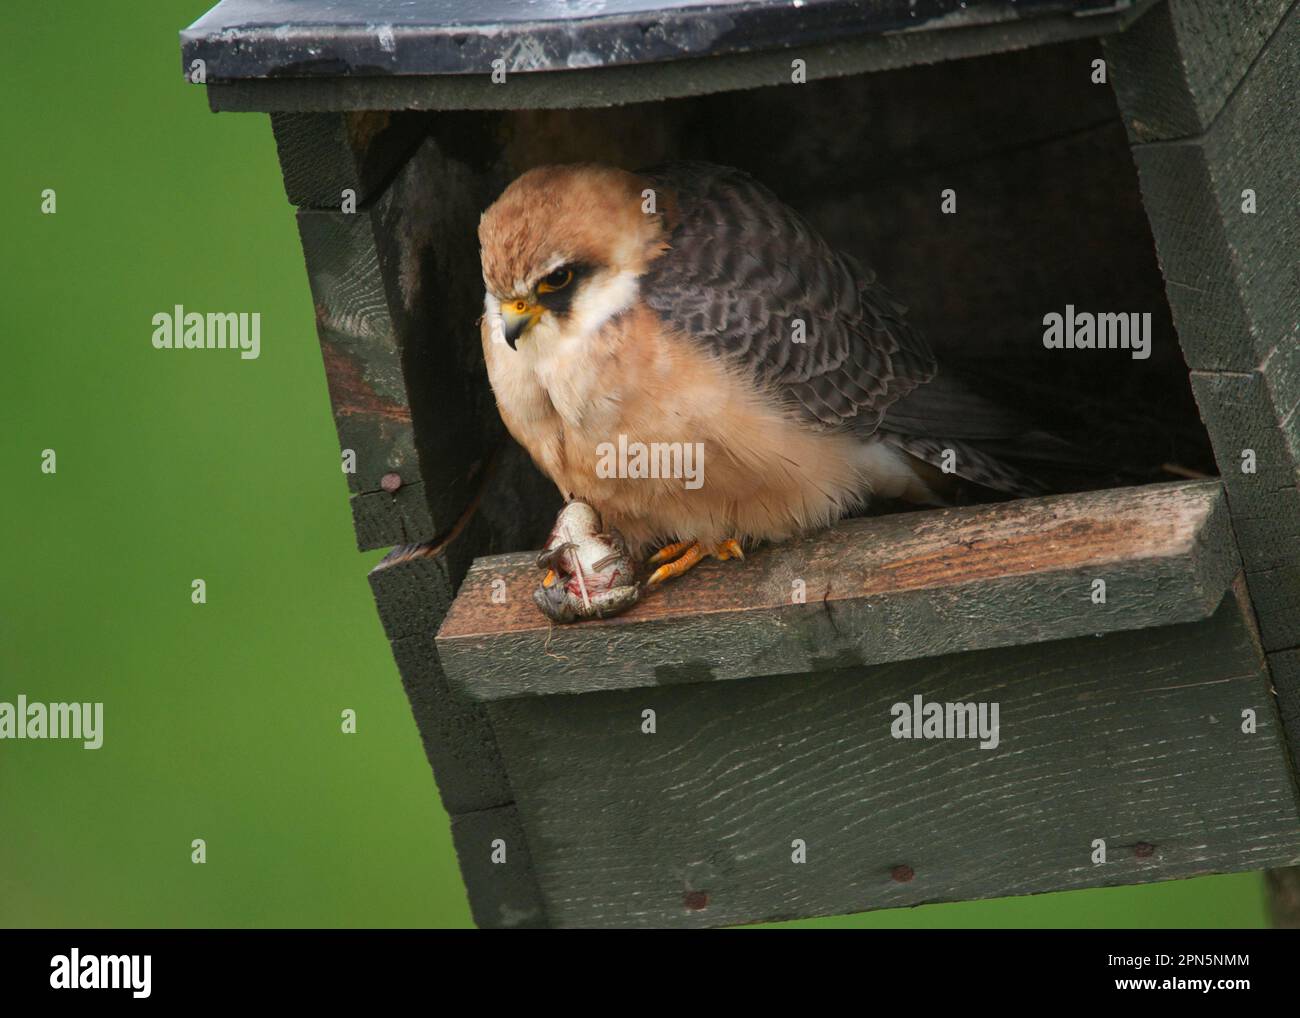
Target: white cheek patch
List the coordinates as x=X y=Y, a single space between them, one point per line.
x=601 y=299
x=492 y=312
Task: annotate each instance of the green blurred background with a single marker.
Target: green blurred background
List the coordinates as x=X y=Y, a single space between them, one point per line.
x=222 y=720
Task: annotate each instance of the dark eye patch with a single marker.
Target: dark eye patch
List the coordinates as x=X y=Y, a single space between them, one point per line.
x=559 y=300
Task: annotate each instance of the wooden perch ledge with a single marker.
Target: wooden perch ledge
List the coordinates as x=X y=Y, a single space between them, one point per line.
x=864 y=592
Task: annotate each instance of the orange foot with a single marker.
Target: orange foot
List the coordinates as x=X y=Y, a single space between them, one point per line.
x=674 y=559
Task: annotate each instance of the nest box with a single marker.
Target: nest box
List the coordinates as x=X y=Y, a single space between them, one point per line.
x=765 y=740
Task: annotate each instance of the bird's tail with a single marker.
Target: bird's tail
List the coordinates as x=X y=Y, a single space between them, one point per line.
x=968 y=437
x=971 y=463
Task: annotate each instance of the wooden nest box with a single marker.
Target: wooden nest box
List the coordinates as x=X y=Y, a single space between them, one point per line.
x=740 y=746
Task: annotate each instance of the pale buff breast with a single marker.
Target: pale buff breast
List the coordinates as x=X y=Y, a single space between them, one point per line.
x=764 y=474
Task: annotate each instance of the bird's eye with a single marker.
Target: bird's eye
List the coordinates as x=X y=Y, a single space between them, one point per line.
x=557 y=280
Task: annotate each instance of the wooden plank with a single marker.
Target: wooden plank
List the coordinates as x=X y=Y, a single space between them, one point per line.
x=502 y=894
x=414 y=586
x=1175 y=68
x=1135 y=738
x=880 y=589
x=397 y=294
x=322 y=155
x=1284 y=884
x=1230 y=273
x=248 y=39
x=614 y=86
x=322 y=38
x=1253 y=420
x=1257 y=410
x=414 y=583
x=457 y=737
x=379 y=517
x=1267 y=526
x=1285 y=668
x=363 y=368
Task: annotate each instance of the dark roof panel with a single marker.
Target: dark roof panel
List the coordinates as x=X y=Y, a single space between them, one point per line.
x=241 y=39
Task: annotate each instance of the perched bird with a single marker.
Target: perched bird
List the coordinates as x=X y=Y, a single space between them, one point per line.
x=687 y=304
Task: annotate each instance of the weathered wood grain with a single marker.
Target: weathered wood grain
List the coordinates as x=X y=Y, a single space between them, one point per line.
x=1267 y=525
x=413 y=587
x=1259 y=411
x=363 y=368
x=1176 y=66
x=1284 y=884
x=1231 y=274
x=379 y=517
x=457 y=737
x=1135 y=738
x=414 y=584
x=1285 y=668
x=502 y=895
x=879 y=589
x=323 y=154
x=396 y=317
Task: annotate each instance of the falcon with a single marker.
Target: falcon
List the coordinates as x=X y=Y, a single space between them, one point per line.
x=686 y=306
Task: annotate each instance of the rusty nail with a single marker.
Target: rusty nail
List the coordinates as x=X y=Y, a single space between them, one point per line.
x=902 y=874
x=697 y=900
x=1143 y=849
x=390 y=482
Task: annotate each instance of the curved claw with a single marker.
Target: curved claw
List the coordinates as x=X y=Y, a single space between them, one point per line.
x=668 y=552
x=675 y=559
x=730 y=548
x=693 y=554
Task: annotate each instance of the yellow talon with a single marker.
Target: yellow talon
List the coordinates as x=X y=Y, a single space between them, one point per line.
x=679 y=565
x=675 y=559
x=730 y=548
x=668 y=552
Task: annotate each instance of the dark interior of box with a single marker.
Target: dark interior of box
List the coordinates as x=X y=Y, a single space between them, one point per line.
x=1048 y=214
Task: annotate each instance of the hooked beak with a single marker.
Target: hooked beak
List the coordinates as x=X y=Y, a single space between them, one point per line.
x=517 y=317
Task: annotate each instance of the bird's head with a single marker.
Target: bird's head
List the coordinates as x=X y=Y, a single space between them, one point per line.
x=562 y=249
